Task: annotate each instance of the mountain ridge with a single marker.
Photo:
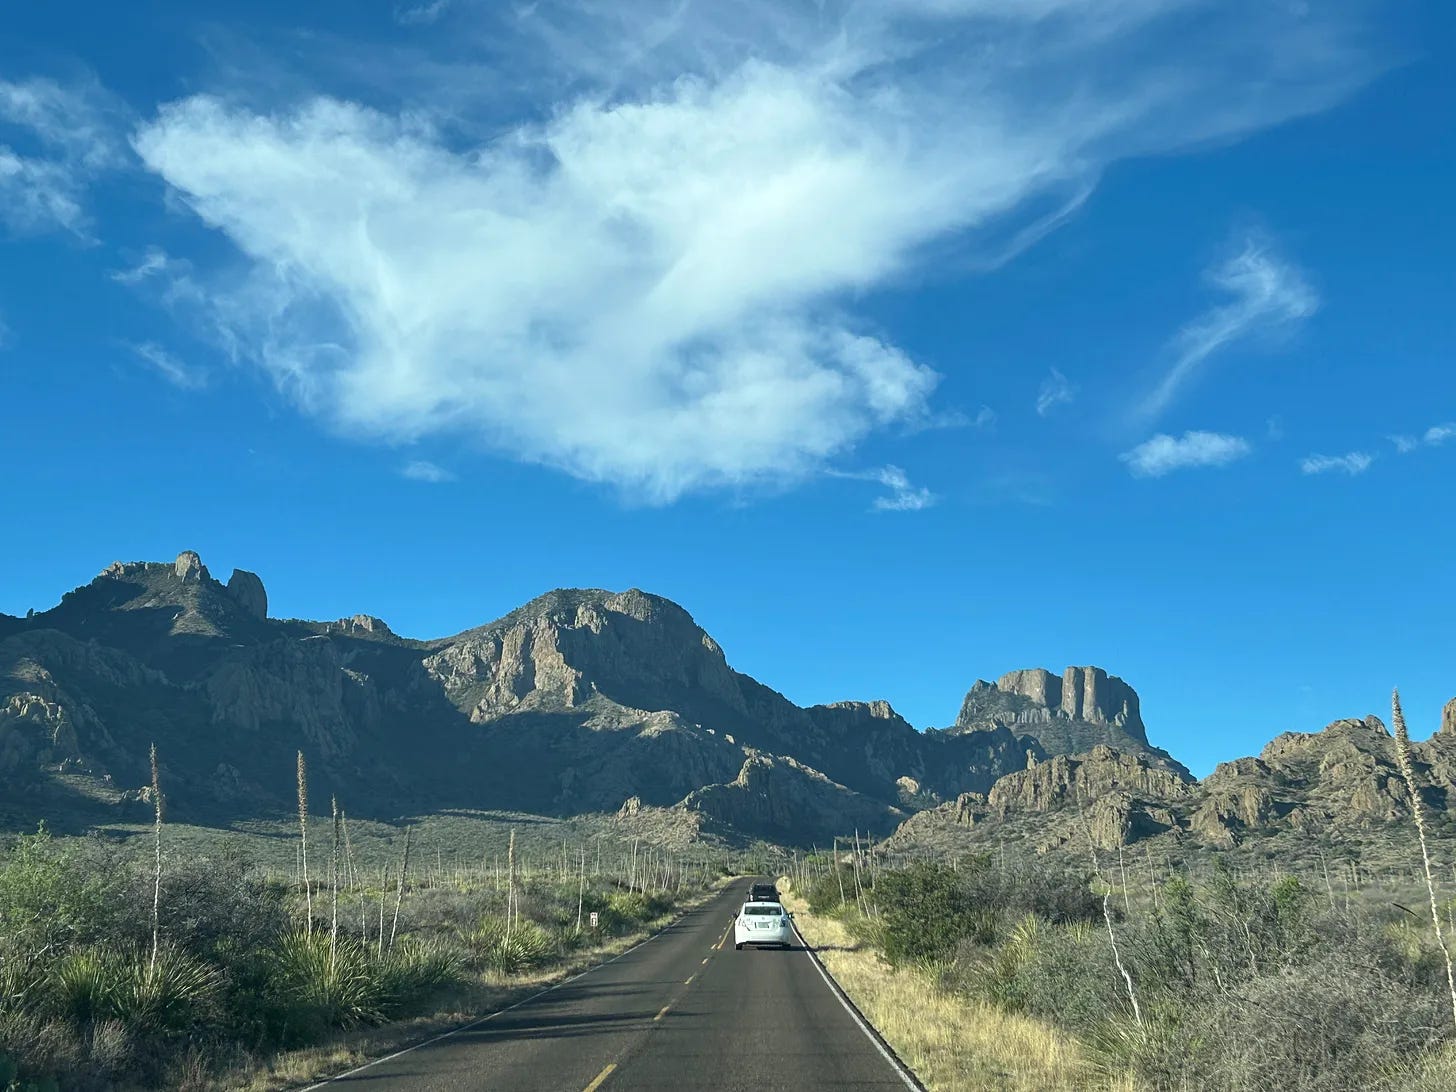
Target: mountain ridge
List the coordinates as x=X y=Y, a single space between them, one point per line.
x=582 y=700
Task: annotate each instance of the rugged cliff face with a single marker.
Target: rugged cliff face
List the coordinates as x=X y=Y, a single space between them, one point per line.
x=575 y=702
x=1083 y=708
x=585 y=700
x=1337 y=787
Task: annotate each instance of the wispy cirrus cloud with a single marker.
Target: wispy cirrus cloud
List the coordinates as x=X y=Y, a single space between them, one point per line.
x=421 y=14
x=55 y=140
x=422 y=470
x=1434 y=436
x=1265 y=292
x=1163 y=454
x=170 y=367
x=903 y=496
x=1352 y=463
x=1055 y=390
x=649 y=279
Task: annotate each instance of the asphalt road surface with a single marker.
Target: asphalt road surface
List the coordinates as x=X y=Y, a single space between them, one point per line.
x=682 y=1010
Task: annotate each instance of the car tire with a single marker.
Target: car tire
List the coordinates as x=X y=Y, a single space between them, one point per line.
x=738 y=947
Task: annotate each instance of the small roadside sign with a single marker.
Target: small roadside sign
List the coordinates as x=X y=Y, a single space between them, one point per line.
x=594 y=919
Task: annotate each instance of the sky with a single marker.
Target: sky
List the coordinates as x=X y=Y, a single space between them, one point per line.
x=903 y=342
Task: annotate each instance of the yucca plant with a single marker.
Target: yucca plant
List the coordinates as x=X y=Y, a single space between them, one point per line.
x=336 y=985
x=414 y=969
x=87 y=985
x=497 y=946
x=170 y=991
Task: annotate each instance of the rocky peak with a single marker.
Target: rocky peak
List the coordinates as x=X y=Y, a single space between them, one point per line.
x=189 y=567
x=859 y=713
x=247 y=588
x=366 y=623
x=1081 y=693
x=1448 y=719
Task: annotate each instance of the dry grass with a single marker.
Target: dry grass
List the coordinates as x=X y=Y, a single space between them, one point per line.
x=953 y=1044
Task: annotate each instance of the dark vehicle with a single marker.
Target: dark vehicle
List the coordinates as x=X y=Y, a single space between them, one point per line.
x=763 y=892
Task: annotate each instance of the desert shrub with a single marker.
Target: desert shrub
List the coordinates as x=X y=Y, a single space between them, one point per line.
x=1334 y=1023
x=823 y=892
x=220 y=908
x=52 y=895
x=924 y=911
x=1052 y=894
x=1063 y=973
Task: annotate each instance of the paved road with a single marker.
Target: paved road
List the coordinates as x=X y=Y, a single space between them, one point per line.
x=683 y=1010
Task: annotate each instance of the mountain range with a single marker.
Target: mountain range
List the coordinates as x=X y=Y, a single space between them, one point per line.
x=590 y=701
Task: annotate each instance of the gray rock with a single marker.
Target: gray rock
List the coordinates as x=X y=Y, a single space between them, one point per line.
x=247 y=588
x=189 y=567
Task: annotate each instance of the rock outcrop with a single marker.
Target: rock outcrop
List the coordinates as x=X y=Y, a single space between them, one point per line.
x=189 y=566
x=1070 y=714
x=247 y=588
x=1448 y=718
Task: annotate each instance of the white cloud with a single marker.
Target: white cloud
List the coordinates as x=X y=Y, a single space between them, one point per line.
x=903 y=496
x=646 y=283
x=421 y=470
x=154 y=263
x=1055 y=390
x=67 y=137
x=1434 y=436
x=1164 y=454
x=421 y=14
x=1355 y=462
x=985 y=418
x=1267 y=293
x=173 y=370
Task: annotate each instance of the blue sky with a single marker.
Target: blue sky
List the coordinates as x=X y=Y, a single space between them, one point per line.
x=904 y=343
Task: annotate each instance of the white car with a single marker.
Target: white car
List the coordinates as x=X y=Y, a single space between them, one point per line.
x=762 y=923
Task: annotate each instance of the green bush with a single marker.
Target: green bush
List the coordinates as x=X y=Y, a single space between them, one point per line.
x=924 y=911
x=51 y=895
x=824 y=892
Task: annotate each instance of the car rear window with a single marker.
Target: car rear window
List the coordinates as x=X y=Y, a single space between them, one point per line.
x=764 y=910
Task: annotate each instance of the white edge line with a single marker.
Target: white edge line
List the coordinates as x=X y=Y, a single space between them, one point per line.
x=898 y=1066
x=490 y=1016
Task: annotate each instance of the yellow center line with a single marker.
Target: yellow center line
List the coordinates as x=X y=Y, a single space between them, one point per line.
x=705 y=963
x=600 y=1077
x=663 y=1012
x=688 y=981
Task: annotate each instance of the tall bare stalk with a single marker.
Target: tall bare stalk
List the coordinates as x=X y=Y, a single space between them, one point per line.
x=303 y=836
x=1137 y=1012
x=157 y=846
x=1408 y=772
x=511 y=883
x=399 y=891
x=334 y=887
x=581 y=888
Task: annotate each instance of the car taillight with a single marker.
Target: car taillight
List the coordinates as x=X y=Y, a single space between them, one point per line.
x=784 y=922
